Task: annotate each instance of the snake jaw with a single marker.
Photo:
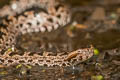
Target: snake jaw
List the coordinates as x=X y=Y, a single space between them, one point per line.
x=80 y=55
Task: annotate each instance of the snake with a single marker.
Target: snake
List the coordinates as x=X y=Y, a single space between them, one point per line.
x=28 y=16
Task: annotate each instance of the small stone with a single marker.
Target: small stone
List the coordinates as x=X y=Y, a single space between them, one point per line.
x=14 y=6
x=98 y=14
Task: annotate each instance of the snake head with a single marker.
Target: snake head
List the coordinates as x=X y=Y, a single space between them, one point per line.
x=80 y=55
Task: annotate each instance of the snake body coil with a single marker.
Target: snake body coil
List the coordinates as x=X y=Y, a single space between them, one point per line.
x=22 y=19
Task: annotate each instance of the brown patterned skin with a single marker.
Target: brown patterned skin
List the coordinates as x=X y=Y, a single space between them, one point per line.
x=28 y=21
x=21 y=19
x=48 y=59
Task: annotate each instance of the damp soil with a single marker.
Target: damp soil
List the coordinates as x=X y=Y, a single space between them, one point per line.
x=98 y=24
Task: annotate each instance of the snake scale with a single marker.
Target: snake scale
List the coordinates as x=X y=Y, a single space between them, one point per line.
x=27 y=16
